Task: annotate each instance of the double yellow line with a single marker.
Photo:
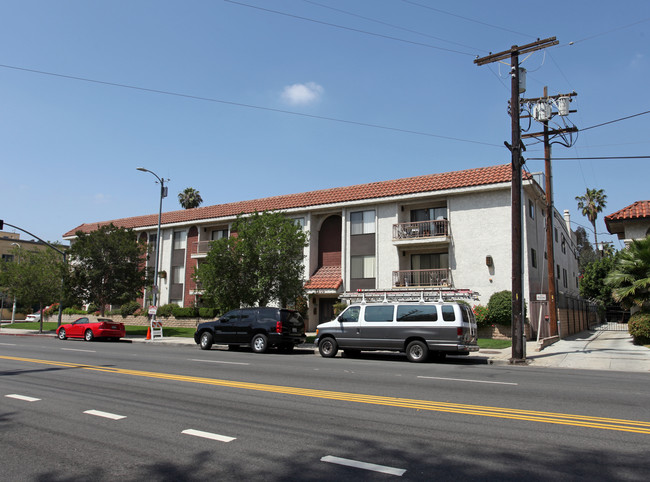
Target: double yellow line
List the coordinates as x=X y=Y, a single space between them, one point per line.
x=602 y=423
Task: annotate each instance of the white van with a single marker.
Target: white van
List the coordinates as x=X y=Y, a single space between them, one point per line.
x=416 y=328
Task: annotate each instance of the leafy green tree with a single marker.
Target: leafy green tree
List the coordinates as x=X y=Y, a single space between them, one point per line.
x=586 y=253
x=592 y=284
x=189 y=198
x=106 y=266
x=630 y=277
x=262 y=262
x=34 y=277
x=499 y=308
x=592 y=203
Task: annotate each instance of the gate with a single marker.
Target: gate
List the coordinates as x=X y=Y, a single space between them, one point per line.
x=615 y=320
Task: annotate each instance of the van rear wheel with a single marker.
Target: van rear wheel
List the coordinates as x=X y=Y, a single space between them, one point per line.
x=328 y=347
x=417 y=351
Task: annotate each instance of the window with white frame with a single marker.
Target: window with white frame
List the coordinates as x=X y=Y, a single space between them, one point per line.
x=178 y=274
x=362 y=266
x=180 y=238
x=531 y=209
x=362 y=222
x=219 y=234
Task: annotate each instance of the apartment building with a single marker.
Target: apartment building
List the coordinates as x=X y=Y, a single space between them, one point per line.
x=433 y=233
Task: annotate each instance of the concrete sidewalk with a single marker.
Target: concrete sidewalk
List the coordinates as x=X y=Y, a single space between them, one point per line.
x=590 y=350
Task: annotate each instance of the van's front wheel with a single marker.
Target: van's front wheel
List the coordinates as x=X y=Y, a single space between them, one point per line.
x=328 y=347
x=417 y=351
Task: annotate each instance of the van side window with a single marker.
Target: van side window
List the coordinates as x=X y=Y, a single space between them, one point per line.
x=448 y=313
x=417 y=313
x=379 y=313
x=351 y=314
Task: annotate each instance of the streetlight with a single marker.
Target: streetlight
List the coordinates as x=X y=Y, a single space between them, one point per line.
x=13 y=310
x=163 y=194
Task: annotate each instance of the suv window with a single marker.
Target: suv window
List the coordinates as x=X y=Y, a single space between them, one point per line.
x=351 y=314
x=379 y=313
x=417 y=313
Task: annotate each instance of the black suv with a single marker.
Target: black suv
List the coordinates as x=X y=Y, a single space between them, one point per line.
x=260 y=328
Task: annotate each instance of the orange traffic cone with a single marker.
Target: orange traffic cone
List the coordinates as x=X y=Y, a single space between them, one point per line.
x=148 y=334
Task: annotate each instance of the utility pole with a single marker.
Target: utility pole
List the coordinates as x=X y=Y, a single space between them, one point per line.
x=518 y=343
x=542 y=112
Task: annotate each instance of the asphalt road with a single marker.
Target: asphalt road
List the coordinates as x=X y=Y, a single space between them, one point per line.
x=71 y=410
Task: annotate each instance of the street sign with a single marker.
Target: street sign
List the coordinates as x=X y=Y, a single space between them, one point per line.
x=152 y=310
x=540 y=297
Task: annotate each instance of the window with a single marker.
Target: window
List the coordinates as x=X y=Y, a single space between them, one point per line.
x=563 y=245
x=178 y=274
x=7 y=257
x=351 y=314
x=533 y=257
x=180 y=238
x=362 y=222
x=564 y=278
x=219 y=234
x=448 y=313
x=417 y=313
x=429 y=214
x=379 y=313
x=558 y=271
x=362 y=266
x=430 y=261
x=531 y=209
x=555 y=235
x=299 y=222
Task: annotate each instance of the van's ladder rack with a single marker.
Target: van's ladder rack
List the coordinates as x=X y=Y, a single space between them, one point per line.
x=379 y=296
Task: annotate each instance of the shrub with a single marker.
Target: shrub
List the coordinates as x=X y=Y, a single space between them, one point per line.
x=208 y=312
x=481 y=315
x=639 y=327
x=499 y=308
x=339 y=307
x=73 y=311
x=180 y=312
x=129 y=308
x=166 y=310
x=92 y=308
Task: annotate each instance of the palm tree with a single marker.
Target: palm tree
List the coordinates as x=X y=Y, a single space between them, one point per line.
x=630 y=276
x=189 y=198
x=591 y=204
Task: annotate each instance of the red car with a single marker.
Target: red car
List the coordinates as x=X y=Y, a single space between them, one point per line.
x=89 y=330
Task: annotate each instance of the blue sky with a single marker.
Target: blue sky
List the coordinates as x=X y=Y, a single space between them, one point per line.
x=241 y=102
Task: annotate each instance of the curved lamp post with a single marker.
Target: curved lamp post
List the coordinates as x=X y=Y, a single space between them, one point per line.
x=163 y=193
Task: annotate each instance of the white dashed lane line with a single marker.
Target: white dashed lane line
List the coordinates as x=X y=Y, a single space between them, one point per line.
x=469 y=380
x=208 y=435
x=219 y=361
x=24 y=398
x=99 y=413
x=79 y=349
x=363 y=465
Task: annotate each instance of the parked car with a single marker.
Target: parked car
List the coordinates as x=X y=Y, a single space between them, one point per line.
x=90 y=329
x=418 y=329
x=34 y=317
x=260 y=328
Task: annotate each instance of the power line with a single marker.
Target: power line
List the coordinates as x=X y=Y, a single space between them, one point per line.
x=397 y=39
x=587 y=158
x=389 y=24
x=616 y=120
x=249 y=106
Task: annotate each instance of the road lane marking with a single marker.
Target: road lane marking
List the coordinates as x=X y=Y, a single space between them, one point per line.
x=8 y=344
x=99 y=413
x=218 y=361
x=469 y=380
x=363 y=465
x=79 y=349
x=24 y=398
x=208 y=435
x=574 y=420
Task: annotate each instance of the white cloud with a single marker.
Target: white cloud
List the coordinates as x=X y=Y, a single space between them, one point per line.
x=302 y=94
x=101 y=198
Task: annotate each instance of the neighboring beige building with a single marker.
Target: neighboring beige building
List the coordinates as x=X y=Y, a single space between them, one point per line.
x=631 y=222
x=434 y=233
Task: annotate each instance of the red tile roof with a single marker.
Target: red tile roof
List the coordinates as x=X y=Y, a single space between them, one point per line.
x=375 y=190
x=326 y=278
x=637 y=210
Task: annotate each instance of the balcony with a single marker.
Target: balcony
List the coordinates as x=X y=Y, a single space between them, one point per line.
x=200 y=249
x=421 y=232
x=422 y=278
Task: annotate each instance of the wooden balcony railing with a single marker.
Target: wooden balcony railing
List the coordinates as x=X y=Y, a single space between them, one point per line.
x=421 y=229
x=422 y=277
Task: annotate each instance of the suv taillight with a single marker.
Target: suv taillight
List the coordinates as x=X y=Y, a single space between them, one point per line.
x=278 y=327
